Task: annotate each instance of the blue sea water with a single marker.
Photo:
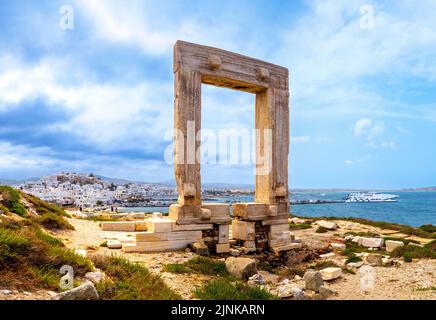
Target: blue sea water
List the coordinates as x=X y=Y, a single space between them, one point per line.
x=412 y=208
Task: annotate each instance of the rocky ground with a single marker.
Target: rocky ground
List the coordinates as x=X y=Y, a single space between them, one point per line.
x=414 y=280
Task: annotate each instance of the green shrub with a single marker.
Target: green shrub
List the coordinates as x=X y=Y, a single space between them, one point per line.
x=11 y=200
x=321 y=230
x=323 y=264
x=4 y=210
x=42 y=206
x=12 y=245
x=353 y=258
x=225 y=290
x=199 y=265
x=130 y=281
x=48 y=238
x=428 y=228
x=409 y=252
x=52 y=221
x=301 y=226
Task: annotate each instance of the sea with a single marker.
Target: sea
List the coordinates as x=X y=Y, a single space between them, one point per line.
x=412 y=208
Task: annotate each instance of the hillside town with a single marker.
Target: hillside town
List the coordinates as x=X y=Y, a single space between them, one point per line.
x=88 y=190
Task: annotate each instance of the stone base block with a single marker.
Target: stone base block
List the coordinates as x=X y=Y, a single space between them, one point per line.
x=128 y=226
x=222 y=248
x=155 y=246
x=168 y=236
x=217 y=213
x=243 y=230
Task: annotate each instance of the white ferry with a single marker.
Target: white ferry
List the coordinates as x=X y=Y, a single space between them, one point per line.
x=371 y=197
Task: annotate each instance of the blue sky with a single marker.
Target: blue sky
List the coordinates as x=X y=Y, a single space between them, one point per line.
x=99 y=98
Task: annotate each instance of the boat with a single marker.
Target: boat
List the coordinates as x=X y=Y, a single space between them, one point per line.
x=370 y=197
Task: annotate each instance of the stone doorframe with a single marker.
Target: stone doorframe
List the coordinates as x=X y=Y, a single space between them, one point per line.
x=194 y=65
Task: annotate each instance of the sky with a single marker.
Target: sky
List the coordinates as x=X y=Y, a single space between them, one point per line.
x=94 y=93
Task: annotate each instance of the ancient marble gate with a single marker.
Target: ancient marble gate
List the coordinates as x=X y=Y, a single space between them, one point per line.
x=195 y=65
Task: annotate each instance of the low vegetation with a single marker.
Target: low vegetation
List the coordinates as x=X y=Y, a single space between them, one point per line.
x=199 y=265
x=409 y=252
x=300 y=226
x=130 y=281
x=222 y=289
x=425 y=231
x=353 y=248
x=30 y=258
x=10 y=199
x=321 y=230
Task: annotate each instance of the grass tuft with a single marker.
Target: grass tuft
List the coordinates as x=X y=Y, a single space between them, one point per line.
x=11 y=200
x=199 y=265
x=300 y=226
x=225 y=290
x=130 y=281
x=410 y=252
x=321 y=230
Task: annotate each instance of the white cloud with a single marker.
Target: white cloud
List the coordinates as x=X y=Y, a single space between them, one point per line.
x=108 y=116
x=348 y=162
x=332 y=62
x=388 y=145
x=361 y=125
x=300 y=139
x=369 y=128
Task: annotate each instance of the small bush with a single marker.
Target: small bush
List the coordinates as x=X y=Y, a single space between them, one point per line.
x=42 y=206
x=11 y=200
x=323 y=264
x=226 y=290
x=409 y=252
x=200 y=265
x=321 y=230
x=48 y=238
x=4 y=210
x=301 y=226
x=428 y=228
x=12 y=246
x=353 y=258
x=52 y=221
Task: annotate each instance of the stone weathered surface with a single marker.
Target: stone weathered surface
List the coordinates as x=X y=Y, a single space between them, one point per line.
x=241 y=267
x=94 y=277
x=372 y=242
x=327 y=255
x=222 y=248
x=328 y=274
x=313 y=280
x=85 y=291
x=338 y=246
x=327 y=224
x=391 y=245
x=325 y=293
x=200 y=248
x=114 y=244
x=118 y=226
x=374 y=260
